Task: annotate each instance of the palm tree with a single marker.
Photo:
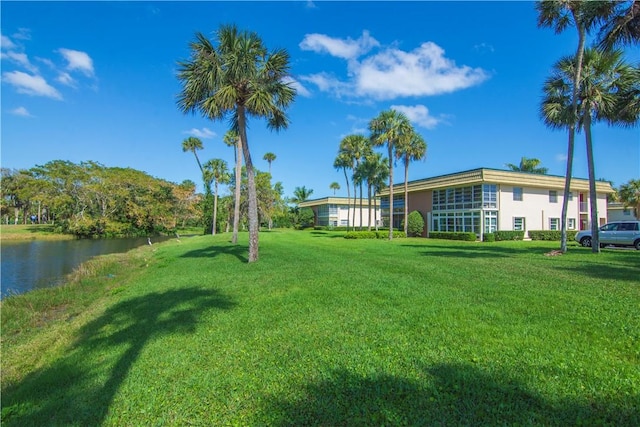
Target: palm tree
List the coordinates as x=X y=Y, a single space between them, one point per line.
x=356 y=147
x=622 y=27
x=559 y=14
x=343 y=161
x=334 y=186
x=528 y=165
x=269 y=157
x=301 y=194
x=609 y=90
x=372 y=170
x=629 y=194
x=231 y=139
x=218 y=172
x=414 y=149
x=390 y=128
x=237 y=79
x=193 y=144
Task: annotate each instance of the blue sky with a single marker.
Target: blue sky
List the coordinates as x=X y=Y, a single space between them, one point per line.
x=97 y=81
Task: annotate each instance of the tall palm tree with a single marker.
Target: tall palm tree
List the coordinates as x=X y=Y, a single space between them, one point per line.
x=357 y=147
x=530 y=165
x=390 y=128
x=372 y=170
x=193 y=144
x=559 y=14
x=343 y=161
x=269 y=157
x=231 y=139
x=609 y=90
x=218 y=172
x=334 y=186
x=414 y=149
x=622 y=27
x=238 y=79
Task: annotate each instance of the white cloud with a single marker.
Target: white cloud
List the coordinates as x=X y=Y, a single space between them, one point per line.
x=22 y=34
x=6 y=43
x=342 y=48
x=419 y=114
x=204 y=133
x=561 y=157
x=66 y=79
x=20 y=59
x=484 y=47
x=21 y=111
x=300 y=90
x=390 y=73
x=30 y=84
x=78 y=60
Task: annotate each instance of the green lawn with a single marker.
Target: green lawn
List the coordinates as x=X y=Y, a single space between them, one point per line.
x=328 y=331
x=31 y=232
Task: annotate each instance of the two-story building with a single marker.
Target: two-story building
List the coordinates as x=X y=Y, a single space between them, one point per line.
x=486 y=200
x=340 y=211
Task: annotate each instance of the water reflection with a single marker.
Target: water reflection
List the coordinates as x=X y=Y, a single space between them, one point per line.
x=32 y=264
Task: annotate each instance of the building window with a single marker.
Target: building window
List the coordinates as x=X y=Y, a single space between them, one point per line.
x=519 y=224
x=626 y=212
x=553 y=196
x=554 y=223
x=517 y=194
x=344 y=222
x=490 y=221
x=489 y=196
x=571 y=223
x=570 y=196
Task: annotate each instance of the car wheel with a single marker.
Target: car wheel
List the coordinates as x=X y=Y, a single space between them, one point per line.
x=636 y=244
x=586 y=242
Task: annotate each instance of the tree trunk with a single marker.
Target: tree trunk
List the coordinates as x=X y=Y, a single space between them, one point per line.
x=369 y=207
x=346 y=178
x=593 y=196
x=390 y=145
x=251 y=190
x=236 y=204
x=406 y=195
x=215 y=209
x=572 y=132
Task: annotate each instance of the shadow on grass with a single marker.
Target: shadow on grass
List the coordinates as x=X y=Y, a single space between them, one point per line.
x=240 y=252
x=607 y=271
x=474 y=250
x=451 y=394
x=79 y=388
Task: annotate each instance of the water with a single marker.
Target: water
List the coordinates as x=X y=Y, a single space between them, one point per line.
x=27 y=265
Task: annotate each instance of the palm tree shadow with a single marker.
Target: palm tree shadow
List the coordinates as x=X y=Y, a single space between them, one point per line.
x=74 y=390
x=450 y=394
x=237 y=251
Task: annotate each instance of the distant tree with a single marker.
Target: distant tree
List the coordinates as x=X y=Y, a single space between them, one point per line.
x=269 y=157
x=218 y=172
x=390 y=128
x=238 y=79
x=415 y=148
x=629 y=195
x=528 y=165
x=343 y=161
x=356 y=147
x=231 y=139
x=334 y=186
x=415 y=224
x=193 y=144
x=301 y=194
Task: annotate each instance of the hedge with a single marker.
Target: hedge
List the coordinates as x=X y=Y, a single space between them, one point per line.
x=509 y=235
x=489 y=237
x=373 y=234
x=551 y=234
x=448 y=235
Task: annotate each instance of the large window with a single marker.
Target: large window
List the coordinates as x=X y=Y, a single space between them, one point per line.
x=457 y=221
x=489 y=196
x=465 y=198
x=490 y=221
x=517 y=194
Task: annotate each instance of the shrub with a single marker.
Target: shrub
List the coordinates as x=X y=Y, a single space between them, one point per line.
x=488 y=237
x=555 y=235
x=373 y=234
x=508 y=235
x=449 y=235
x=415 y=224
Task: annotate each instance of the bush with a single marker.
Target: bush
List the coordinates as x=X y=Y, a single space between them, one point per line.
x=373 y=234
x=488 y=237
x=449 y=235
x=508 y=235
x=415 y=224
x=555 y=235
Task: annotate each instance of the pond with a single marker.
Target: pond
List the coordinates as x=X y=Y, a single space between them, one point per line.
x=27 y=265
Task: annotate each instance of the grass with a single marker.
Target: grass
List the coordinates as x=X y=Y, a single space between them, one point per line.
x=325 y=331
x=31 y=232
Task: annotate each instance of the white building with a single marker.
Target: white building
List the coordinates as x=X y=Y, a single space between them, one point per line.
x=341 y=212
x=486 y=200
